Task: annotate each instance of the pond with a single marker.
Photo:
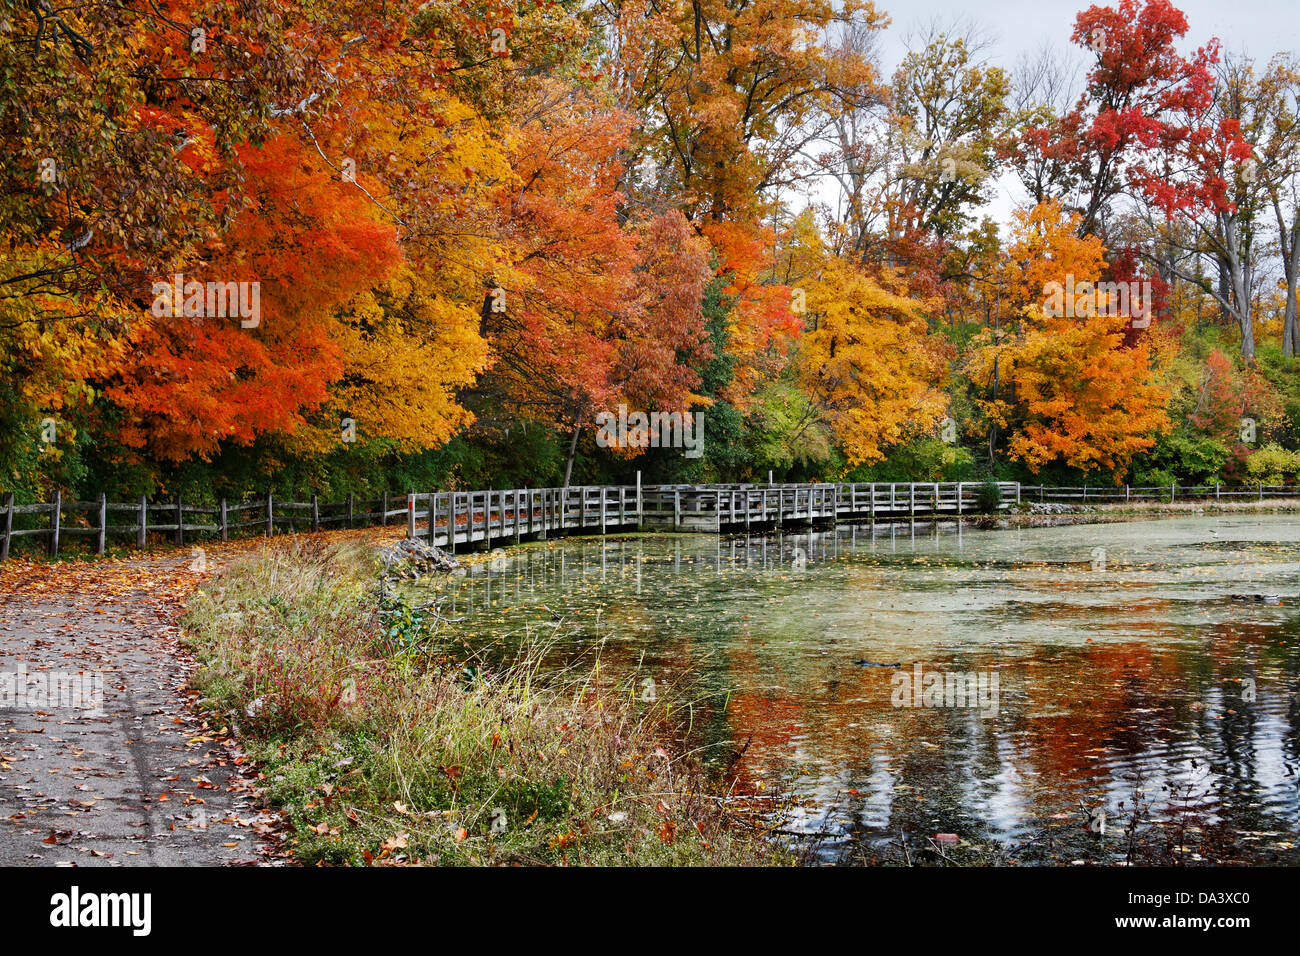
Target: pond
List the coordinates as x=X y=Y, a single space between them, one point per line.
x=1004 y=686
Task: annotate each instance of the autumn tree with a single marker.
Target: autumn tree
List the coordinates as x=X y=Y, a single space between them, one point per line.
x=732 y=92
x=593 y=306
x=911 y=170
x=1223 y=225
x=1277 y=166
x=1072 y=391
x=867 y=363
x=1142 y=126
x=305 y=246
x=347 y=167
x=946 y=114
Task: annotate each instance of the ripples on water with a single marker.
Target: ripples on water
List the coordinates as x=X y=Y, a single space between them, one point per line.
x=1126 y=656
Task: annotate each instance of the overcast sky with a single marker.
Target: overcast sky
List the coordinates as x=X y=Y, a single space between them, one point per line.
x=1259 y=28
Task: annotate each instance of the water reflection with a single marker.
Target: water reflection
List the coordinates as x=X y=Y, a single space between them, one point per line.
x=1139 y=665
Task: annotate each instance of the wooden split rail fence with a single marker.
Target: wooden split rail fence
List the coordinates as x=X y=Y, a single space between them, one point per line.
x=1171 y=493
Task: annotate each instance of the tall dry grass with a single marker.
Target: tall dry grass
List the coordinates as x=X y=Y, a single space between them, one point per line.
x=384 y=741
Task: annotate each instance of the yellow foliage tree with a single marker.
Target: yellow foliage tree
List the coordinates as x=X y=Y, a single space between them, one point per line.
x=868 y=363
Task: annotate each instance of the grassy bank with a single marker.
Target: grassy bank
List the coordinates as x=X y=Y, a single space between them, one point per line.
x=385 y=744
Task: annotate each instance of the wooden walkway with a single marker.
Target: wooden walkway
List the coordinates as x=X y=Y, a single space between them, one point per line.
x=496 y=517
x=468 y=519
x=715 y=508
x=457 y=520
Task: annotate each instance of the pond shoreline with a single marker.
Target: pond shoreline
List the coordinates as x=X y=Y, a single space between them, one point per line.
x=1032 y=515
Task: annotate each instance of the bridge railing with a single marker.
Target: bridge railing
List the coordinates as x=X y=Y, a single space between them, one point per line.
x=712 y=507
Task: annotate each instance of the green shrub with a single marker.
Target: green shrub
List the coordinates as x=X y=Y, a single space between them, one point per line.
x=1182 y=456
x=1273 y=465
x=923 y=459
x=988 y=497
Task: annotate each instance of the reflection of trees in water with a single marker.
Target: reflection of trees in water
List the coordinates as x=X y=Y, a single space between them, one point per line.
x=1093 y=721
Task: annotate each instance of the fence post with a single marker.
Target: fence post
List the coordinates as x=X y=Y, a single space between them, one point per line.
x=451 y=521
x=1261 y=491
x=1017 y=492
x=1173 y=491
x=270 y=515
x=1085 y=492
x=9 y=524
x=315 y=512
x=180 y=521
x=410 y=514
x=959 y=501
x=1216 y=491
x=383 y=505
x=911 y=499
x=677 y=510
x=225 y=526
x=1126 y=494
x=103 y=524
x=54 y=524
x=142 y=527
x=433 y=518
x=640 y=514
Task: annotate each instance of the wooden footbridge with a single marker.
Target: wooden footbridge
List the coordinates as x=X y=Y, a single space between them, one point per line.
x=466 y=519
x=463 y=519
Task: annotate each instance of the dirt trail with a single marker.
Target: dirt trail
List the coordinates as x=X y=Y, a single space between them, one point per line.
x=144 y=782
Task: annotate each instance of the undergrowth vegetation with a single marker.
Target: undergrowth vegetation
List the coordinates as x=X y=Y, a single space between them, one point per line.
x=385 y=743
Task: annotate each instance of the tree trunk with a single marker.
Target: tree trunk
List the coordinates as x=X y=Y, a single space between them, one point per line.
x=1241 y=278
x=573 y=453
x=1247 y=336
x=993 y=426
x=1290 y=330
x=1289 y=238
x=1225 y=292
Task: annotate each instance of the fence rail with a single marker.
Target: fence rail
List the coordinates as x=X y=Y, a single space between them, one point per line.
x=462 y=519
x=1170 y=493
x=457 y=518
